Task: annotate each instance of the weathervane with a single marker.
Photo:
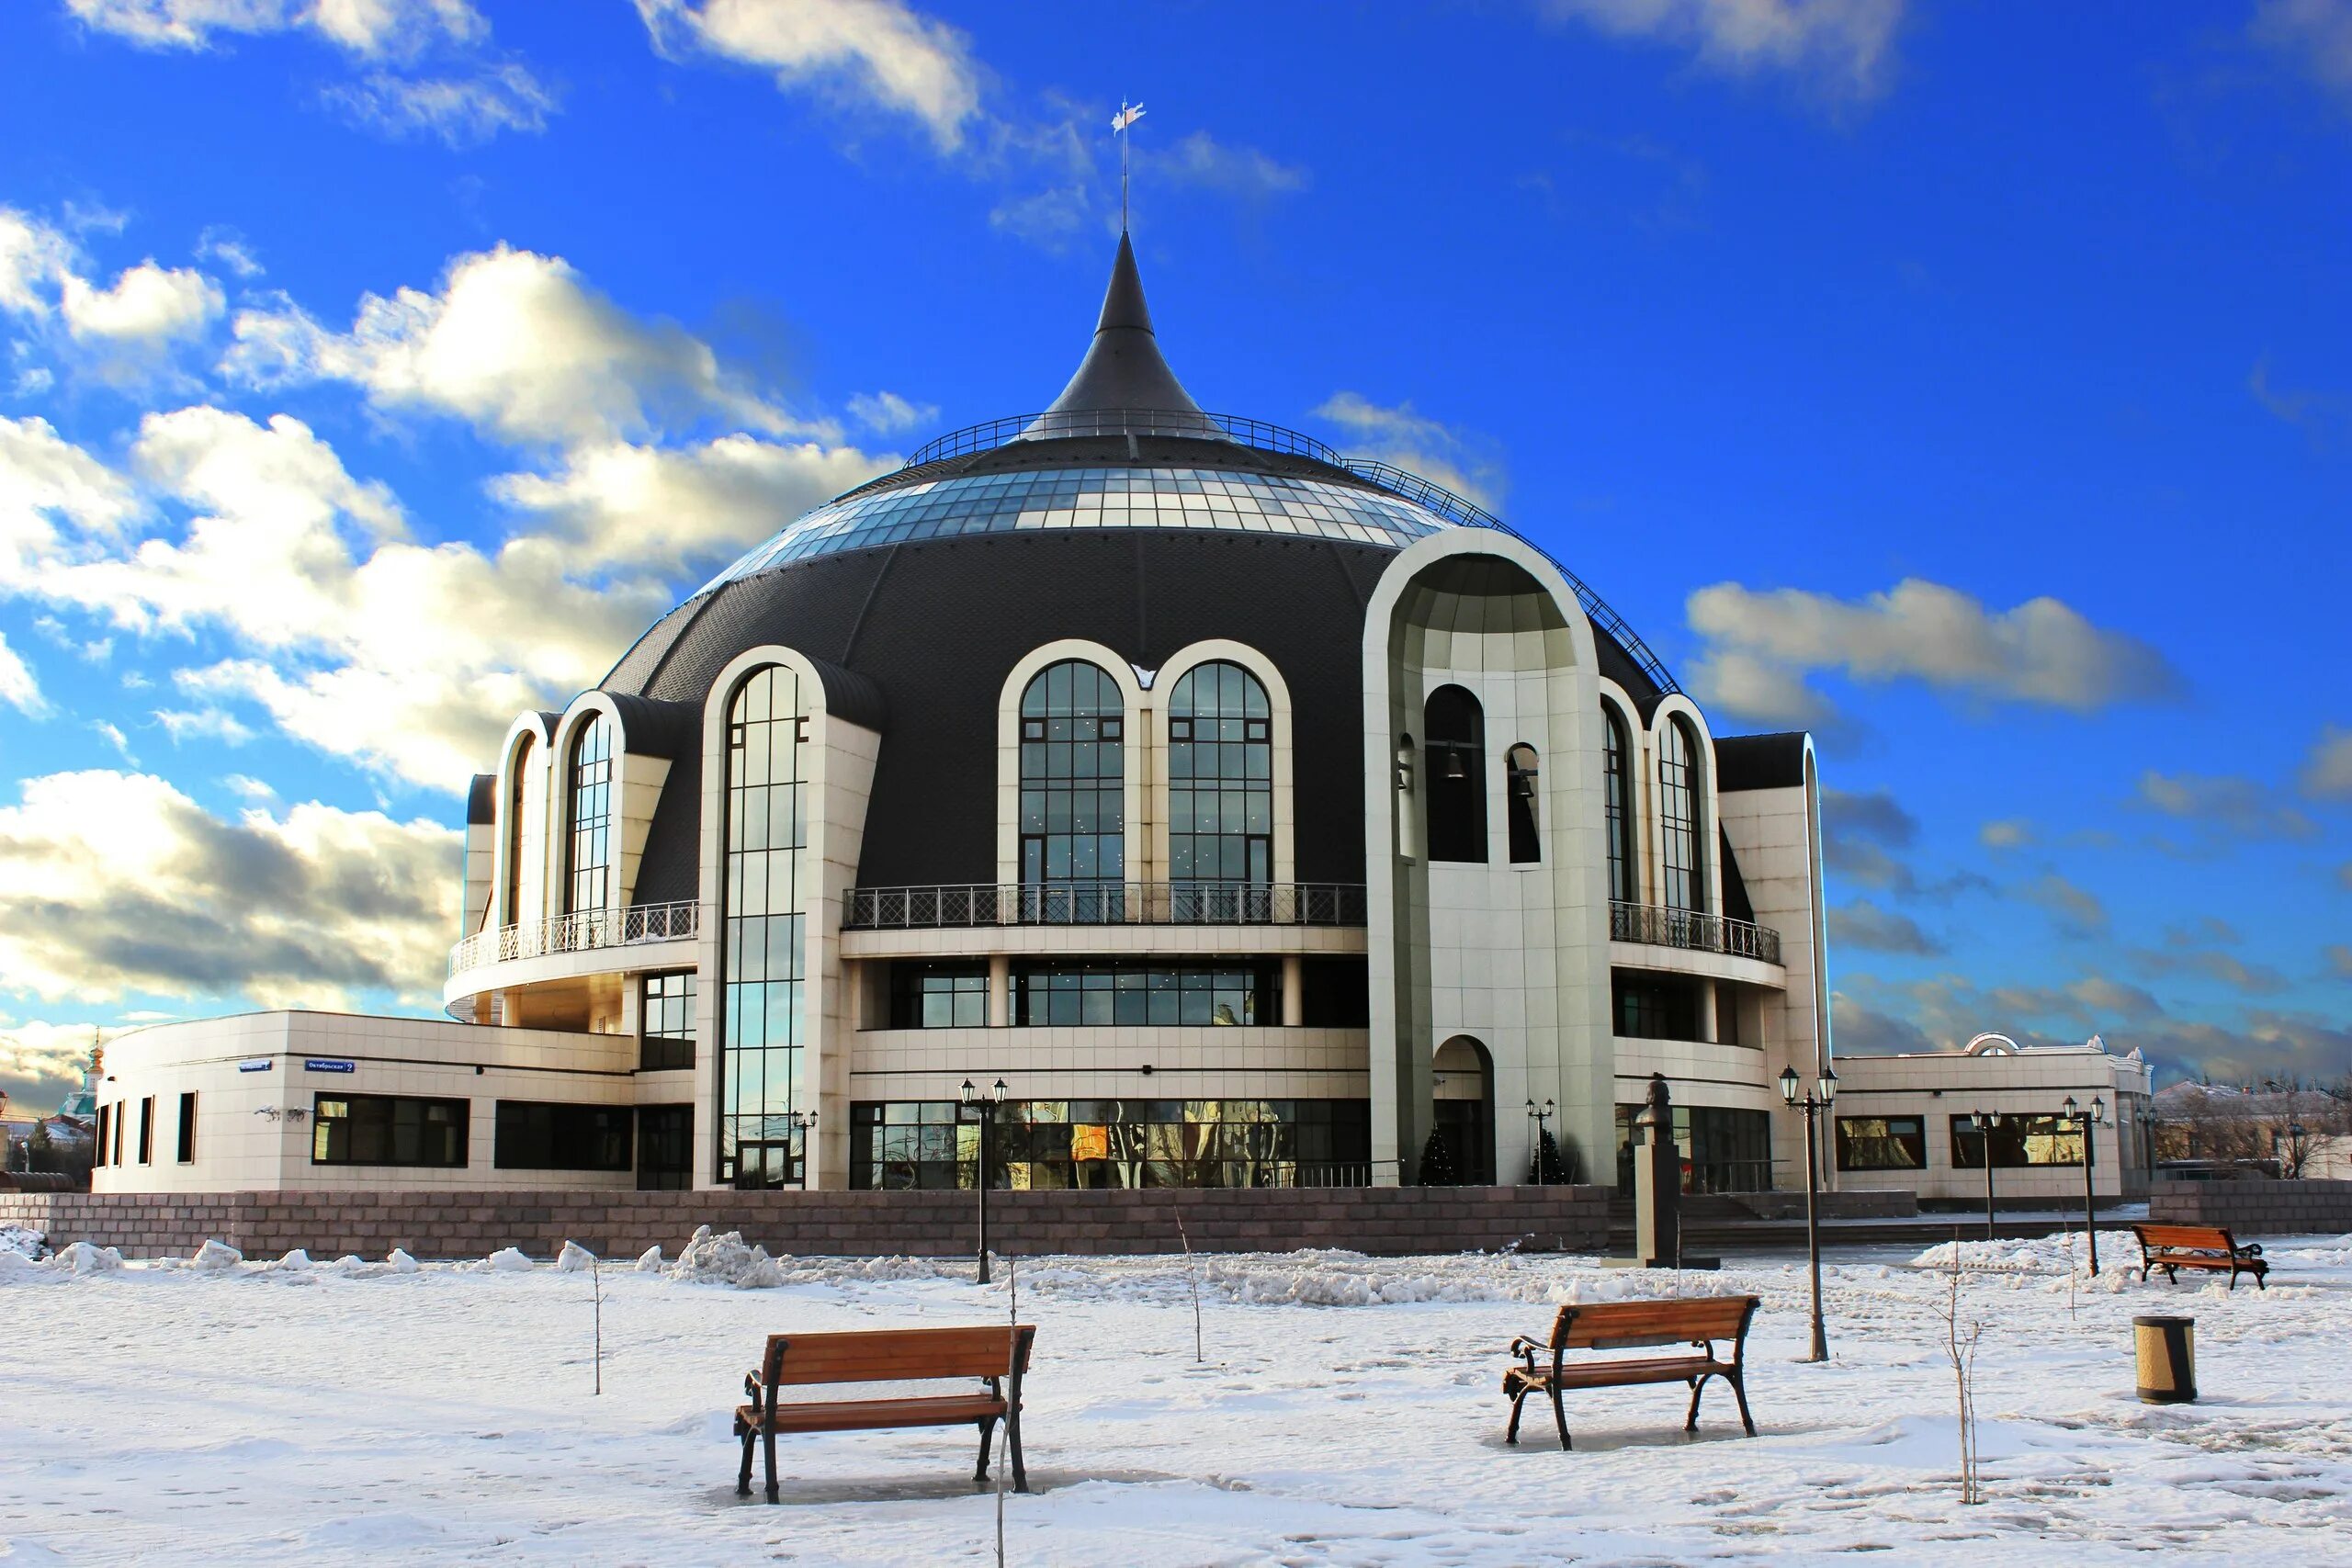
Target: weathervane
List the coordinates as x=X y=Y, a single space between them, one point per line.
x=1128 y=114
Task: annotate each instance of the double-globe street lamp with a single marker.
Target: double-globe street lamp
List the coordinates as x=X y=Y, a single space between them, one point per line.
x=1813 y=1105
x=984 y=1104
x=2084 y=1121
x=1536 y=1176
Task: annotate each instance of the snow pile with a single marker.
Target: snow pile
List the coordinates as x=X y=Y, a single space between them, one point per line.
x=30 y=1245
x=505 y=1260
x=84 y=1259
x=574 y=1259
x=214 y=1256
x=650 y=1260
x=724 y=1261
x=294 y=1262
x=2043 y=1254
x=400 y=1262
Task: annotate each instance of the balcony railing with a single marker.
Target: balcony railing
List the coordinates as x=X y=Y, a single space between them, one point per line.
x=1694 y=932
x=1106 y=903
x=583 y=932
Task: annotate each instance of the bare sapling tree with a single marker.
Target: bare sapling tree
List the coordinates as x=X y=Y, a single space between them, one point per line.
x=1960 y=1344
x=1192 y=1274
x=596 y=1290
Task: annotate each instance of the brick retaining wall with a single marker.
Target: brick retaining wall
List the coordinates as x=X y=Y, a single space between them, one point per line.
x=2255 y=1208
x=1386 y=1220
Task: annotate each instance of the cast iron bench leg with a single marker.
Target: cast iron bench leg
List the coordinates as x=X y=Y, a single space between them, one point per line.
x=744 y=1476
x=988 y=1431
x=1698 y=1387
x=1560 y=1419
x=1510 y=1433
x=773 y=1496
x=1738 y=1381
x=1012 y=1441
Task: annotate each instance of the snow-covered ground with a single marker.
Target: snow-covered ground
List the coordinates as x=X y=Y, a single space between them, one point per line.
x=1348 y=1411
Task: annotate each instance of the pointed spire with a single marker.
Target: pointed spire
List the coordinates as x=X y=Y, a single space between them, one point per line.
x=1123 y=370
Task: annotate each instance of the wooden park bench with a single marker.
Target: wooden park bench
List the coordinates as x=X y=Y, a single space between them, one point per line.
x=2209 y=1247
x=1624 y=1325
x=996 y=1356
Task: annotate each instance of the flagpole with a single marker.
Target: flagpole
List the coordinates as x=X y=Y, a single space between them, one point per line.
x=1120 y=127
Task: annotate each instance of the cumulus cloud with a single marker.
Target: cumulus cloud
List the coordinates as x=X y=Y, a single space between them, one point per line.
x=887 y=414
x=406 y=658
x=428 y=63
x=2316 y=34
x=119 y=884
x=148 y=306
x=2078 y=911
x=877 y=53
x=2253 y=980
x=1863 y=833
x=514 y=343
x=34 y=257
x=666 y=508
x=2327 y=774
x=1403 y=436
x=40 y=1063
x=2222 y=806
x=1762 y=644
x=1845 y=47
x=1866 y=925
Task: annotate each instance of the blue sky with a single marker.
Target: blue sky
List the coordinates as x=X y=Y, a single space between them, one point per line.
x=1968 y=386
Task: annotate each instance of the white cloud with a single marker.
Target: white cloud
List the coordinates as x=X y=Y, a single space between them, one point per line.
x=648 y=507
x=251 y=788
x=1845 y=46
x=116 y=738
x=2315 y=34
x=2079 y=911
x=2327 y=774
x=1200 y=159
x=119 y=884
x=462 y=111
x=887 y=414
x=368 y=29
x=1049 y=219
x=148 y=307
x=2224 y=803
x=1876 y=929
x=203 y=724
x=18 y=689
x=230 y=250
x=1762 y=643
x=516 y=343
x=46 y=481
x=39 y=1054
x=876 y=52
x=34 y=258
x=2009 y=834
x=1405 y=437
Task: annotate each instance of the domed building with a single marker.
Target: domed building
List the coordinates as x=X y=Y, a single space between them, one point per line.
x=1232 y=812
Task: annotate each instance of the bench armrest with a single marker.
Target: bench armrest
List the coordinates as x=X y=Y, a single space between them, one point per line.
x=2252 y=1249
x=1525 y=1349
x=752 y=1386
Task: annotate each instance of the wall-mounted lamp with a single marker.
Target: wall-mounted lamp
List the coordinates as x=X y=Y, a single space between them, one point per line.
x=1453 y=767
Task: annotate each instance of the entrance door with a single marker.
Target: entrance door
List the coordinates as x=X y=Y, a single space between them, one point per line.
x=760 y=1167
x=1463 y=1108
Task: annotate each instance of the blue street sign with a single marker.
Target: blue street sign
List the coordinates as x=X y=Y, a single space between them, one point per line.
x=322 y=1065
x=254 y=1064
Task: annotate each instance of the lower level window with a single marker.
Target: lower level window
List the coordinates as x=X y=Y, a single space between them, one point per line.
x=1114 y=994
x=535 y=1137
x=939 y=995
x=2019 y=1141
x=387 y=1129
x=1655 y=1008
x=1881 y=1143
x=1114 y=1143
x=1720 y=1149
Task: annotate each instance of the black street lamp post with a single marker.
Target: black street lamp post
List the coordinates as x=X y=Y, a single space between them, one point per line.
x=1813 y=1105
x=1986 y=1121
x=2086 y=1119
x=1540 y=1116
x=984 y=1106
x=803 y=1123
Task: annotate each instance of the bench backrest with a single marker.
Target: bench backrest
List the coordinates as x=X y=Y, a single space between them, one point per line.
x=2208 y=1238
x=1622 y=1325
x=897 y=1355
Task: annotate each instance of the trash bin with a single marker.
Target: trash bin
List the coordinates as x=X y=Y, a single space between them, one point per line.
x=2167 y=1353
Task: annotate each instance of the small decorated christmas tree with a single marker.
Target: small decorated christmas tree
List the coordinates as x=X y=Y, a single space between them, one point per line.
x=1437 y=1162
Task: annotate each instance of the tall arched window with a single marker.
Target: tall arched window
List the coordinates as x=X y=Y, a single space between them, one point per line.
x=760 y=1021
x=588 y=866
x=515 y=797
x=1220 y=777
x=1617 y=805
x=1678 y=826
x=1455 y=770
x=1073 y=772
x=1520 y=798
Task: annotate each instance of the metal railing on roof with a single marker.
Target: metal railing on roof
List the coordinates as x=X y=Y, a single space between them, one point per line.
x=1105 y=904
x=582 y=932
x=1267 y=437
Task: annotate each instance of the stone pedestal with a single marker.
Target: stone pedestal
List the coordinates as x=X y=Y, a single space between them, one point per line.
x=1657 y=1182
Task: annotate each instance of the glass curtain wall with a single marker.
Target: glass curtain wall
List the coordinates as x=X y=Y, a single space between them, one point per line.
x=591 y=857
x=1114 y=1143
x=1678 y=818
x=1073 y=800
x=1617 y=797
x=760 y=1022
x=514 y=908
x=1220 y=793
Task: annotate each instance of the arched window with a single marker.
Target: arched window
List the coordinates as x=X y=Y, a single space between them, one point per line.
x=1220 y=777
x=1455 y=768
x=1520 y=796
x=1678 y=826
x=589 y=864
x=1073 y=771
x=515 y=797
x=760 y=1026
x=1617 y=805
